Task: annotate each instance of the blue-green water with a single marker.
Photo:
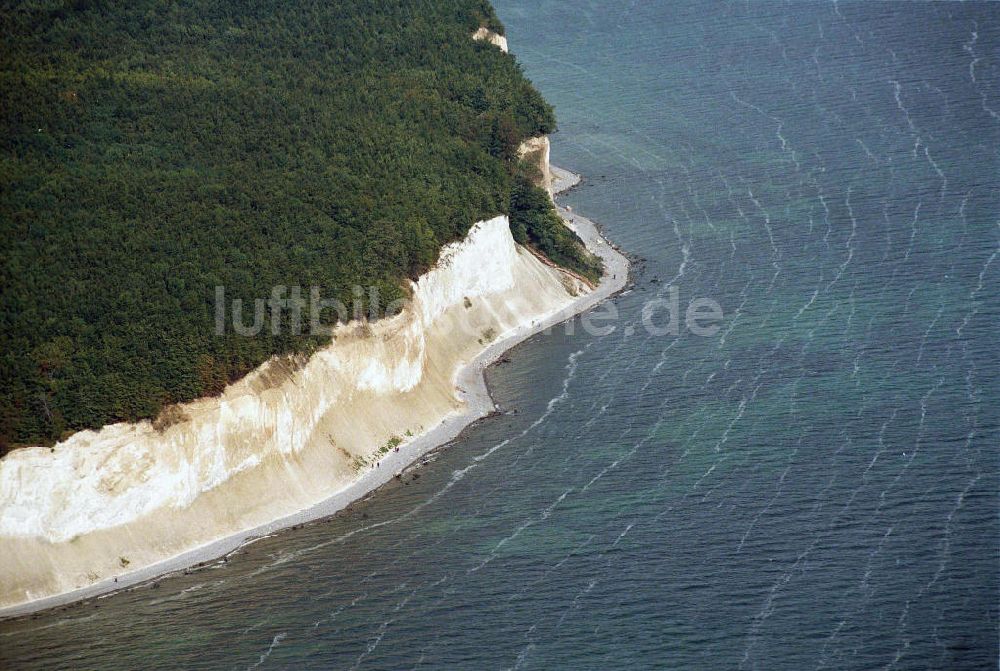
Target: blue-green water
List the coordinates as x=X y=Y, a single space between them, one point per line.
x=815 y=486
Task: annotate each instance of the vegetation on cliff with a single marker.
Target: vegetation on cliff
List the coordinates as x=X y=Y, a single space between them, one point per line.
x=534 y=222
x=152 y=151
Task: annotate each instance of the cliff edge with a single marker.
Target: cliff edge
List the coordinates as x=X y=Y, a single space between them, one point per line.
x=486 y=35
x=284 y=438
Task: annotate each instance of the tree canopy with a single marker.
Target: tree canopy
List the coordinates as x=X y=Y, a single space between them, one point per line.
x=151 y=151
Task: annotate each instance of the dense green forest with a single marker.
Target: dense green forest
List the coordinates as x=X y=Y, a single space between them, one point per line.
x=151 y=151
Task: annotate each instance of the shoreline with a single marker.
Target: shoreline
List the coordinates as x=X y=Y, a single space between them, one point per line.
x=471 y=387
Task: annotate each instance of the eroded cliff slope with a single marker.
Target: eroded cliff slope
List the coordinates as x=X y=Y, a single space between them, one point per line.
x=282 y=439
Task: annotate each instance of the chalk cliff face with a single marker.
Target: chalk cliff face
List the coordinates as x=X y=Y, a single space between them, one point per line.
x=487 y=35
x=282 y=439
x=535 y=151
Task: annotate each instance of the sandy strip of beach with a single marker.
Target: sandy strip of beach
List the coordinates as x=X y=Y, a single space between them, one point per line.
x=470 y=381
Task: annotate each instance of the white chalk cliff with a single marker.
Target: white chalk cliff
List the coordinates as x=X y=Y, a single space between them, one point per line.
x=535 y=151
x=282 y=439
x=486 y=35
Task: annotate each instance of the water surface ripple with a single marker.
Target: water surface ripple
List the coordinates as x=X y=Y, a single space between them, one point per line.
x=815 y=486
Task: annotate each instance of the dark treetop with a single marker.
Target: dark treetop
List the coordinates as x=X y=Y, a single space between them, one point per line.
x=151 y=152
